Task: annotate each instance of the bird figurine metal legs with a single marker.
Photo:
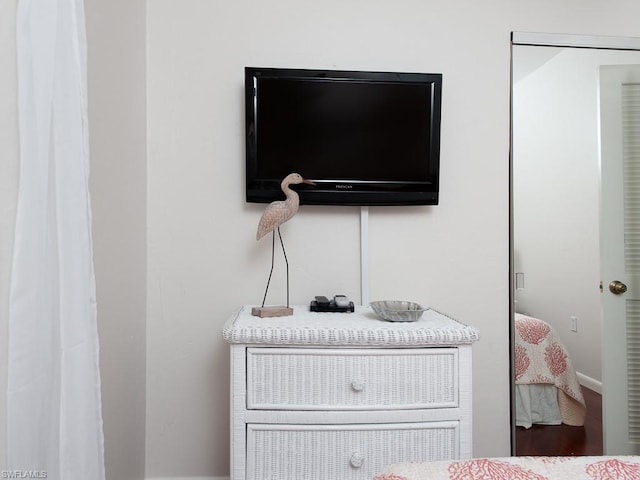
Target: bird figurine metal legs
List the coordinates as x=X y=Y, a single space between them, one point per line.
x=273 y=243
x=273 y=216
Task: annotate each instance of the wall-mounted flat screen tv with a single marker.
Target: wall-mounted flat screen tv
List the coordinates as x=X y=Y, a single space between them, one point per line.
x=364 y=138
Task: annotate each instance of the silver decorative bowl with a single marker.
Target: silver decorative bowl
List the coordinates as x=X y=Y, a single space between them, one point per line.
x=398 y=310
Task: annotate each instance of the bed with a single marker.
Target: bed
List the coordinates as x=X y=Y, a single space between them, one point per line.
x=519 y=468
x=547 y=388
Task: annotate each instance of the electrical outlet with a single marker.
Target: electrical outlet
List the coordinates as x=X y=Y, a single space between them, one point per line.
x=574 y=324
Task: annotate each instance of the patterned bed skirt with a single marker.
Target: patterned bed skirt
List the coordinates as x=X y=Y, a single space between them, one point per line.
x=519 y=468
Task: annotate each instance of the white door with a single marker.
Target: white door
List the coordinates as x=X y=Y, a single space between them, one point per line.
x=620 y=256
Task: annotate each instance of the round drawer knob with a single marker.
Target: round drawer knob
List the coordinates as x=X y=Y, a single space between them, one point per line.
x=357 y=384
x=357 y=459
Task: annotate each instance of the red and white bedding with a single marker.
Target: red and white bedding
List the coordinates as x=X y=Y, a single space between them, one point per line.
x=541 y=358
x=519 y=468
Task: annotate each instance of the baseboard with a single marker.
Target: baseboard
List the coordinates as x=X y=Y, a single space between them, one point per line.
x=187 y=478
x=590 y=383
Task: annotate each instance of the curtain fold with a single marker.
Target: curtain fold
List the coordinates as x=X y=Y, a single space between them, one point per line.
x=54 y=414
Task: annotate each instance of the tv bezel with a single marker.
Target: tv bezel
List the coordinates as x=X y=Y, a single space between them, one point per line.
x=345 y=191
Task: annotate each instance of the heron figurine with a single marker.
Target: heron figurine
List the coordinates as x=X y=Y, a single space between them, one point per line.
x=273 y=216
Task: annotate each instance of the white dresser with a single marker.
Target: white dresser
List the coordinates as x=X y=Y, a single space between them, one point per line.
x=341 y=395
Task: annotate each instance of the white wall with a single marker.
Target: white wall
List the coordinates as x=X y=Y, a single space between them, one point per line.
x=557 y=195
x=203 y=260
x=117 y=122
x=116 y=38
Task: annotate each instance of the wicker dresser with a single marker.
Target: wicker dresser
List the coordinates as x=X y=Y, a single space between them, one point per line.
x=341 y=395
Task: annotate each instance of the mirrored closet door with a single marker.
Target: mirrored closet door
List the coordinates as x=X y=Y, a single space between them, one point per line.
x=568 y=205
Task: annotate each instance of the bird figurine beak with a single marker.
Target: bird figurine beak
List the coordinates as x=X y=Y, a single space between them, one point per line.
x=308 y=182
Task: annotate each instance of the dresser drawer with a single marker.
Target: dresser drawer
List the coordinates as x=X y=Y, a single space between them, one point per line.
x=295 y=452
x=351 y=379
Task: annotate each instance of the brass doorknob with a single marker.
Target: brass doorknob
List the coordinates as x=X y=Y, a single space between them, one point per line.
x=617 y=287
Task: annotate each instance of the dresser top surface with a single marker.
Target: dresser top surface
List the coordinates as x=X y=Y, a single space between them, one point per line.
x=360 y=328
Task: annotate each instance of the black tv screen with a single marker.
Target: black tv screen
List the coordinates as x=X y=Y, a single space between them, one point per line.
x=364 y=138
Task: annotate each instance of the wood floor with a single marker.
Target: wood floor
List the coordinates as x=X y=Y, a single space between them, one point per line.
x=563 y=439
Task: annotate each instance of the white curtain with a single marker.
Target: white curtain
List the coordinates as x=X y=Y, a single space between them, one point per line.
x=54 y=419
